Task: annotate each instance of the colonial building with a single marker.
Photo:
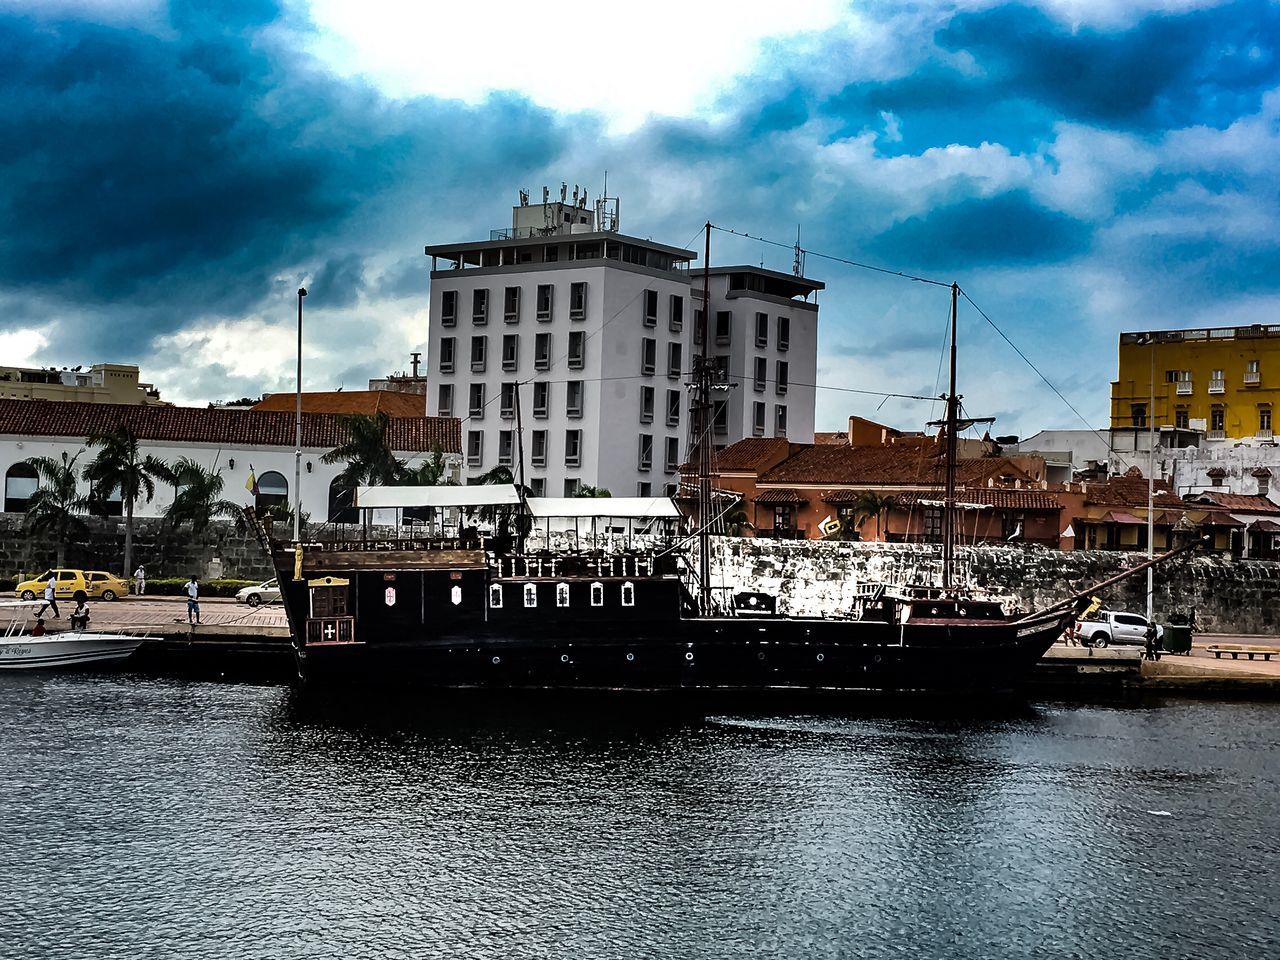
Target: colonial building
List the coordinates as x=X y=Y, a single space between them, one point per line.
x=101 y=383
x=587 y=334
x=239 y=444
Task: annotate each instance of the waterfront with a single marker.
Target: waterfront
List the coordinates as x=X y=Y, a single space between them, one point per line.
x=149 y=818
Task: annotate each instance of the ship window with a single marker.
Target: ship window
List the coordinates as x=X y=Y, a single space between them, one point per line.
x=495 y=596
x=562 y=594
x=628 y=594
x=597 y=594
x=530 y=595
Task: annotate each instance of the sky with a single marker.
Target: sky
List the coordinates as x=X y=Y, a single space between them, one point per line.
x=170 y=172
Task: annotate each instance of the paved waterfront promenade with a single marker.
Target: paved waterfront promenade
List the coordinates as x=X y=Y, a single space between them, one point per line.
x=168 y=615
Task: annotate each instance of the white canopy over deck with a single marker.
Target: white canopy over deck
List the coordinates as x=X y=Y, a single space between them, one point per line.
x=480 y=495
x=618 y=508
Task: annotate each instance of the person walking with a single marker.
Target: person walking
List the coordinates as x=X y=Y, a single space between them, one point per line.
x=193 y=601
x=49 y=599
x=1152 y=653
x=140 y=580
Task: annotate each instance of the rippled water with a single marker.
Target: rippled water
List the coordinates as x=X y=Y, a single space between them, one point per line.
x=149 y=818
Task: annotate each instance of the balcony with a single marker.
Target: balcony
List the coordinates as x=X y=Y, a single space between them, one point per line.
x=1185 y=388
x=1252 y=378
x=1216 y=435
x=1264 y=434
x=1217 y=386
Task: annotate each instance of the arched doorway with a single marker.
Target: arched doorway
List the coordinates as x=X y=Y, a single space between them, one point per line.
x=341 y=499
x=273 y=491
x=20 y=483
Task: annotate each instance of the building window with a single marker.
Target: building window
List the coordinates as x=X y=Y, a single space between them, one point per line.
x=1181 y=419
x=495 y=596
x=597 y=594
x=933 y=523
x=1217 y=383
x=762 y=329
x=480 y=306
x=510 y=351
x=504 y=448
x=20 y=484
x=780 y=387
x=671 y=462
x=780 y=420
x=571 y=486
x=1217 y=419
x=628 y=594
x=479 y=353
x=541 y=400
x=673 y=408
x=573 y=398
x=648 y=356
x=722 y=367
x=646 y=404
x=784 y=333
x=644 y=488
x=1251 y=372
x=578 y=300
x=674 y=360
x=645 y=460
x=651 y=308
x=542 y=351
x=757 y=418
x=720 y=417
x=562 y=594
x=699 y=326
x=539 y=486
x=448 y=347
x=761 y=377
x=530 y=595
x=572 y=449
x=677 y=313
x=507 y=401
x=784 y=517
x=511 y=305
x=449 y=308
x=724 y=326
x=475 y=401
x=538 y=451
x=577 y=349
x=475 y=447
x=1264 y=418
x=545 y=298
x=1138 y=412
x=444 y=408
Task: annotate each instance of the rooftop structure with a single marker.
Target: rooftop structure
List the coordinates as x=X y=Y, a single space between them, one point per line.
x=101 y=383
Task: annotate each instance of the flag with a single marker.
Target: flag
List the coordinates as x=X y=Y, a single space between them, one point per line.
x=252 y=483
x=1017 y=532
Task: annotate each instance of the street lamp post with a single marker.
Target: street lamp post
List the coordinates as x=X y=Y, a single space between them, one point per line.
x=297 y=434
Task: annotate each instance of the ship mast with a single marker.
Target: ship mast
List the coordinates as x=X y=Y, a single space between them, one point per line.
x=949 y=497
x=701 y=430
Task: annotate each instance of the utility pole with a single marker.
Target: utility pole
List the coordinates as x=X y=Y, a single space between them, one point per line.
x=297 y=434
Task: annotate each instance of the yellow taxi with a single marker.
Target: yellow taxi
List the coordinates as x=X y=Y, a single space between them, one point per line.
x=106 y=586
x=66 y=583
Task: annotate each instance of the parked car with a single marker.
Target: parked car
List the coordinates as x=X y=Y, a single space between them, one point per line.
x=106 y=586
x=262 y=593
x=67 y=583
x=1108 y=627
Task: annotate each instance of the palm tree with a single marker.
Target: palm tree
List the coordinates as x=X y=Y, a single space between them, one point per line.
x=55 y=506
x=367 y=452
x=121 y=466
x=869 y=504
x=430 y=473
x=586 y=490
x=198 y=496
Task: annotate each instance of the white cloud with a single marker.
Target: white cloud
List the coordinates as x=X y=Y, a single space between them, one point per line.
x=666 y=58
x=20 y=347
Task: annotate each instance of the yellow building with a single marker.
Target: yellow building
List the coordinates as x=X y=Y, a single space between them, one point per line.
x=1222 y=380
x=101 y=383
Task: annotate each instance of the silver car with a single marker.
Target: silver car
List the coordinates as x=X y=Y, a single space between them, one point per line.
x=267 y=592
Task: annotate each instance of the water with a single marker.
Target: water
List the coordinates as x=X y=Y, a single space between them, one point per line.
x=149 y=818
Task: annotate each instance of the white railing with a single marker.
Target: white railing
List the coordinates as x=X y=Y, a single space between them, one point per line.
x=1217 y=386
x=1264 y=435
x=1253 y=376
x=1184 y=388
x=1216 y=435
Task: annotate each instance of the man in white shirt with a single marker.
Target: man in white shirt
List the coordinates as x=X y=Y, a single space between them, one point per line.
x=140 y=580
x=49 y=599
x=193 y=601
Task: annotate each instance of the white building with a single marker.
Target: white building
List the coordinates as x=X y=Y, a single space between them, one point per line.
x=597 y=329
x=233 y=442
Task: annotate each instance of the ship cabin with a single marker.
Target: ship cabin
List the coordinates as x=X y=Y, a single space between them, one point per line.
x=478 y=560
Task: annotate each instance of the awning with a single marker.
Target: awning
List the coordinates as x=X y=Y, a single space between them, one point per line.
x=779 y=497
x=480 y=495
x=1220 y=520
x=1265 y=526
x=1116 y=516
x=841 y=497
x=621 y=508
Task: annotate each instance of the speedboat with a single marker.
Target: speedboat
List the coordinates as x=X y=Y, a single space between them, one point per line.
x=19 y=650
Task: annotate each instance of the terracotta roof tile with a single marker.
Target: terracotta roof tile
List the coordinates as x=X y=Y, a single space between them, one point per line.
x=751 y=454
x=51 y=418
x=1002 y=499
x=883 y=466
x=1239 y=502
x=1131 y=491
x=779 y=496
x=368 y=402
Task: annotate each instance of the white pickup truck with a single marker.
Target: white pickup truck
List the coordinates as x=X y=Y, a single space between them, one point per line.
x=1110 y=626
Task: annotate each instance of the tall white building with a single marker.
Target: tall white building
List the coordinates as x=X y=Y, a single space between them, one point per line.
x=591 y=333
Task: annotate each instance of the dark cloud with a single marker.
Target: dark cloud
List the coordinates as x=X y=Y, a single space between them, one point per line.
x=338 y=283
x=410 y=277
x=1010 y=228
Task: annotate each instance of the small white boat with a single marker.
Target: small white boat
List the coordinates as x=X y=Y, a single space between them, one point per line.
x=19 y=650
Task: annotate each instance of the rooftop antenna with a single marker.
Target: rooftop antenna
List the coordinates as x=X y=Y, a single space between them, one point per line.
x=797 y=265
x=415 y=358
x=546 y=195
x=524 y=198
x=564 y=191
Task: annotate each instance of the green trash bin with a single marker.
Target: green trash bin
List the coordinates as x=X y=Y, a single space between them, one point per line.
x=1177 y=638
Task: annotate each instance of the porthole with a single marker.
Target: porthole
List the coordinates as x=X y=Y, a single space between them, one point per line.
x=630 y=657
x=497 y=660
x=821 y=657
x=564 y=658
x=760 y=655
x=689 y=655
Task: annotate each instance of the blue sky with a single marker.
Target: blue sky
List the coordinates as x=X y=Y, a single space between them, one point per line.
x=171 y=171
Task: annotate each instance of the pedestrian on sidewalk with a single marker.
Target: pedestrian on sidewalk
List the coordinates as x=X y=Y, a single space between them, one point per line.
x=80 y=616
x=193 y=601
x=49 y=599
x=140 y=580
x=1152 y=653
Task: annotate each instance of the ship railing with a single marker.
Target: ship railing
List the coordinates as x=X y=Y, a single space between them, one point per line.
x=629 y=564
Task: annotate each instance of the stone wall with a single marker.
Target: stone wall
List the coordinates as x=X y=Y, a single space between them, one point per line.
x=811 y=577
x=220 y=552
